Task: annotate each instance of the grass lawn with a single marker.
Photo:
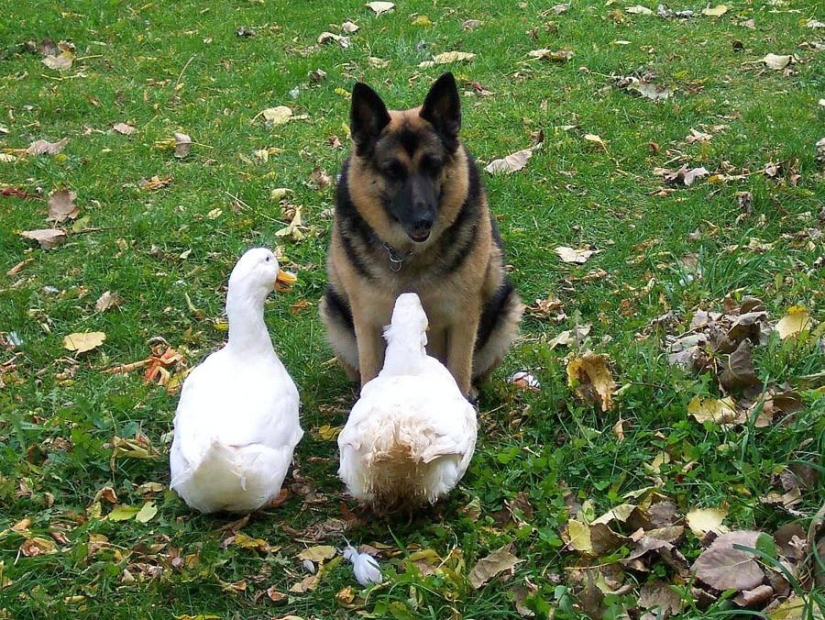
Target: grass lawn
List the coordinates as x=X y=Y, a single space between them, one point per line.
x=83 y=450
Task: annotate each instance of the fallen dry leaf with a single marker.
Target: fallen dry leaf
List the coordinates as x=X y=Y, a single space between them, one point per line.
x=277 y=115
x=61 y=62
x=652 y=91
x=512 y=163
x=183 y=144
x=446 y=58
x=590 y=377
x=739 y=371
x=48 y=238
x=797 y=321
x=723 y=567
x=62 y=206
x=577 y=257
x=701 y=521
x=578 y=537
x=124 y=129
x=638 y=10
x=494 y=564
x=553 y=56
x=318 y=553
x=85 y=341
x=330 y=37
x=381 y=7
x=155 y=183
x=595 y=139
x=719 y=411
x=44 y=147
x=716 y=11
x=777 y=62
x=350 y=28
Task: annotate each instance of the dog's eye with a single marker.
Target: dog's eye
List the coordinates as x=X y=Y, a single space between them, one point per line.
x=394 y=170
x=430 y=165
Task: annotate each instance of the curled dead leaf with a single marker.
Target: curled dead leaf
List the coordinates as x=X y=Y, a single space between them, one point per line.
x=590 y=377
x=381 y=7
x=61 y=206
x=48 y=238
x=446 y=58
x=44 y=147
x=569 y=255
x=183 y=144
x=512 y=163
x=494 y=564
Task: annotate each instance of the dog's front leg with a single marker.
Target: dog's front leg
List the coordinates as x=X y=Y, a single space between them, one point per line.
x=370 y=349
x=461 y=339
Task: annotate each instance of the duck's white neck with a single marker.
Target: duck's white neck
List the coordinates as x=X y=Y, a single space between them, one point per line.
x=247 y=330
x=405 y=354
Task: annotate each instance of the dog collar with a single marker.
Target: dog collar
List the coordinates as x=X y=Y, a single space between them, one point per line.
x=396 y=259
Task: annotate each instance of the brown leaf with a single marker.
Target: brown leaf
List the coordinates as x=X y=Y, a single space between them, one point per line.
x=649 y=90
x=660 y=596
x=723 y=567
x=590 y=376
x=494 y=564
x=756 y=597
x=124 y=129
x=739 y=371
x=62 y=206
x=512 y=163
x=553 y=56
x=578 y=257
x=44 y=147
x=107 y=300
x=48 y=238
x=61 y=62
x=155 y=183
x=183 y=144
x=37 y=546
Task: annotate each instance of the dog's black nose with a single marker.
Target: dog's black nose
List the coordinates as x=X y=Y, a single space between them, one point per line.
x=422 y=225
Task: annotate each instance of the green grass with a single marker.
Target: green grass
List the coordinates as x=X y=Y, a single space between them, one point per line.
x=180 y=66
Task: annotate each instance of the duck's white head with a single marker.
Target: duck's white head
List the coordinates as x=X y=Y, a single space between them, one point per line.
x=257 y=273
x=408 y=318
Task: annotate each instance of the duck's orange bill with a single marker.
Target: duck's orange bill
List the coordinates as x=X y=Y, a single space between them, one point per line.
x=284 y=281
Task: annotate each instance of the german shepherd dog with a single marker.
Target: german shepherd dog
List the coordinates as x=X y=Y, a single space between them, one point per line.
x=411 y=215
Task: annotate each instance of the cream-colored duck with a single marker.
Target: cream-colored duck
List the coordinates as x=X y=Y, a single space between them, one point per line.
x=410 y=437
x=237 y=422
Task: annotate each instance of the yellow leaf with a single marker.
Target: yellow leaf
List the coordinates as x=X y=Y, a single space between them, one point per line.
x=590 y=377
x=720 y=411
x=446 y=58
x=247 y=542
x=704 y=520
x=716 y=11
x=277 y=115
x=307 y=584
x=579 y=534
x=319 y=553
x=795 y=322
x=123 y=513
x=146 y=513
x=329 y=433
x=82 y=342
x=422 y=20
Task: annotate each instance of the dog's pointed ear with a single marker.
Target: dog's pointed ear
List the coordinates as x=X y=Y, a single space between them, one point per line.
x=368 y=116
x=442 y=108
